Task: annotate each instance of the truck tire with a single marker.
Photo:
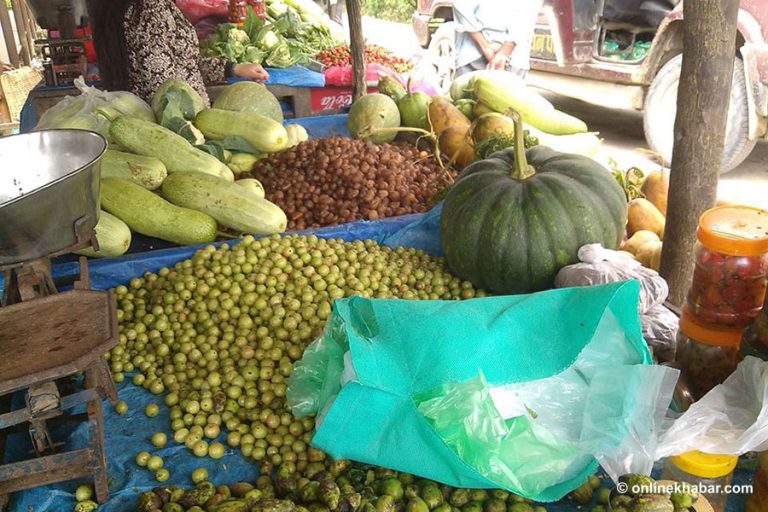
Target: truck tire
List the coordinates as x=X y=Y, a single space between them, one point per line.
x=661 y=108
x=441 y=55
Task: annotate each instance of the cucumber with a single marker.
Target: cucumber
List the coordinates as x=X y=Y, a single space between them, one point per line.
x=586 y=144
x=147 y=171
x=113 y=235
x=243 y=162
x=261 y=132
x=150 y=139
x=232 y=205
x=296 y=134
x=532 y=107
x=151 y=215
x=253 y=185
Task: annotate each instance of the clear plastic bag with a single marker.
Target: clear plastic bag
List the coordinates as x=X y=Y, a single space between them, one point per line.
x=660 y=326
x=731 y=419
x=93 y=109
x=600 y=265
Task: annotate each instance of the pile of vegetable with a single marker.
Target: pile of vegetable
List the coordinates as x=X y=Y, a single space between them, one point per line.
x=344 y=486
x=286 y=37
x=333 y=180
x=341 y=56
x=169 y=171
x=647 y=211
x=474 y=122
x=219 y=333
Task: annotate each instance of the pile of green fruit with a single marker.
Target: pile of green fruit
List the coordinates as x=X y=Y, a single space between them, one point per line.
x=340 y=486
x=638 y=494
x=219 y=332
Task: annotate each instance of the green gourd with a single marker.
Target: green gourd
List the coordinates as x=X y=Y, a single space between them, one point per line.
x=511 y=222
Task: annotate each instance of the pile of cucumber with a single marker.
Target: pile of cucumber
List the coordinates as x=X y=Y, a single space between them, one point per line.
x=155 y=182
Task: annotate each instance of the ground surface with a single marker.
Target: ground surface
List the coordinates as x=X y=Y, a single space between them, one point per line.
x=622 y=131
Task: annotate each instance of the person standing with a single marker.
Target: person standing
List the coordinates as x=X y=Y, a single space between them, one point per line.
x=494 y=34
x=142 y=43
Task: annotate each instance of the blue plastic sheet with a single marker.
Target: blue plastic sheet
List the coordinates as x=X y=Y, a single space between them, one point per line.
x=423 y=233
x=295 y=76
x=106 y=273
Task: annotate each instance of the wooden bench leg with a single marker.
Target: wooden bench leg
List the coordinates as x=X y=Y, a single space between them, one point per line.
x=98 y=376
x=96 y=442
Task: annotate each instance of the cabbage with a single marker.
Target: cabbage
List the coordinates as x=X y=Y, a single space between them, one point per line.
x=269 y=40
x=280 y=56
x=175 y=105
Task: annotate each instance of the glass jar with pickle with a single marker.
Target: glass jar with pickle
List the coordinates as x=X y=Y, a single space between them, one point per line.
x=731 y=272
x=754 y=343
x=706 y=356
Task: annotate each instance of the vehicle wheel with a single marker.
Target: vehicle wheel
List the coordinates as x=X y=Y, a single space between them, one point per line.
x=441 y=55
x=661 y=108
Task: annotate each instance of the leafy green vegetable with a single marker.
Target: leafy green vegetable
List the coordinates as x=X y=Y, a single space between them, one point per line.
x=284 y=39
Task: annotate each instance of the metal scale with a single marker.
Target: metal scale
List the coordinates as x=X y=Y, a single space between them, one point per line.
x=49 y=196
x=64 y=58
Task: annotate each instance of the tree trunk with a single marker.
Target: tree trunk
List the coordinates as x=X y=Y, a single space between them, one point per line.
x=709 y=43
x=356 y=48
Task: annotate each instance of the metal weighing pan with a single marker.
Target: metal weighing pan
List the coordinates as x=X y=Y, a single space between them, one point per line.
x=49 y=192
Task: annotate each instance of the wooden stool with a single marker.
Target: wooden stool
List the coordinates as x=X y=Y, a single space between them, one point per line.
x=43 y=340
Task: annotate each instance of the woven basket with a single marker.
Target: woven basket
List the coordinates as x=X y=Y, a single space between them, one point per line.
x=15 y=86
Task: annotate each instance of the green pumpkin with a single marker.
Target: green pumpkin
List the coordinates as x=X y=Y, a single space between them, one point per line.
x=511 y=222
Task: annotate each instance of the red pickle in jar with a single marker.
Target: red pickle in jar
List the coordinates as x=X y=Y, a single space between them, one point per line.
x=731 y=272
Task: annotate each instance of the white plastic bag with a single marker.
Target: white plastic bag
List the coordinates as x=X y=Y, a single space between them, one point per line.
x=660 y=326
x=731 y=419
x=600 y=265
x=93 y=109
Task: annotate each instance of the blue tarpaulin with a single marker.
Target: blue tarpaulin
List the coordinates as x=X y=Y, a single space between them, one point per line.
x=295 y=76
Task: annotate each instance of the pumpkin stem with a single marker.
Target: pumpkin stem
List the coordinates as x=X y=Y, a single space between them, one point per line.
x=521 y=170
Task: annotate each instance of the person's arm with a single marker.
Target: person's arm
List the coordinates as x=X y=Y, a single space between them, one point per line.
x=466 y=21
x=218 y=69
x=487 y=48
x=501 y=57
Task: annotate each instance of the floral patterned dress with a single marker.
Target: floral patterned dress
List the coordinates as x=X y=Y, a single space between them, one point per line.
x=162 y=44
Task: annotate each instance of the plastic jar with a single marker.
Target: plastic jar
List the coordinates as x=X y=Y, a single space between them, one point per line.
x=753 y=344
x=706 y=356
x=731 y=272
x=709 y=473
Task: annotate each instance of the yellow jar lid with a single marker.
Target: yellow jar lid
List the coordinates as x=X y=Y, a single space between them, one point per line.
x=705 y=465
x=734 y=230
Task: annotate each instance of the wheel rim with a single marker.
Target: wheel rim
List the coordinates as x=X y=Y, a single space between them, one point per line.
x=666 y=111
x=444 y=63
